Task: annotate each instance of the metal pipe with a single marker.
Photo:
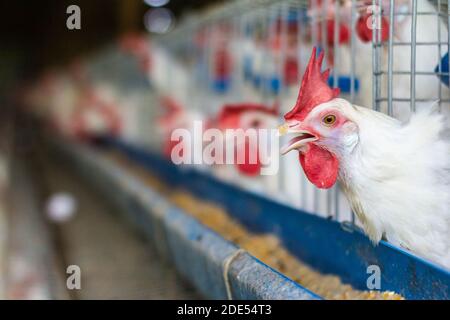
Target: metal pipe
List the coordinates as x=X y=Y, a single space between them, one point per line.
x=439 y=51
x=417 y=100
x=324 y=30
x=314 y=22
x=376 y=52
x=448 y=27
x=336 y=44
x=420 y=13
x=413 y=55
x=420 y=73
x=284 y=29
x=316 y=15
x=209 y=43
x=300 y=37
x=417 y=43
x=390 y=55
x=352 y=88
x=374 y=66
x=334 y=192
x=353 y=53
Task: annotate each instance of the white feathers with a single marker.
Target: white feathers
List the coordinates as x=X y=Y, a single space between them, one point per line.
x=398 y=180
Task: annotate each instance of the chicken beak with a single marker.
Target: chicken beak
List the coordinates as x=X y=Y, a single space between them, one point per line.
x=301 y=137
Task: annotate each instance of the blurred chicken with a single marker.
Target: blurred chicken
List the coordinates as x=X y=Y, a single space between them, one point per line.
x=97 y=114
x=395 y=175
x=138 y=46
x=174 y=116
x=246 y=116
x=168 y=76
x=54 y=99
x=168 y=121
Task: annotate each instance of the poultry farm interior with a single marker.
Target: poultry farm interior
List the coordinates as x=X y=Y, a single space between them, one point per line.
x=241 y=149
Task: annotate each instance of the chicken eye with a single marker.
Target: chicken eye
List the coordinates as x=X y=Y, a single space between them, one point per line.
x=329 y=120
x=255 y=124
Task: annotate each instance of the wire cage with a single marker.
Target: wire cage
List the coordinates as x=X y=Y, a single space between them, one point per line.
x=410 y=68
x=249 y=55
x=389 y=55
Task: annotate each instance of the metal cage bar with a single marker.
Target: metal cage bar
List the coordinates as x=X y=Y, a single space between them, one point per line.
x=439 y=52
x=390 y=57
x=314 y=30
x=376 y=85
x=413 y=55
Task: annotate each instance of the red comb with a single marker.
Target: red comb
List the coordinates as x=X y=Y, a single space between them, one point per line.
x=314 y=89
x=232 y=109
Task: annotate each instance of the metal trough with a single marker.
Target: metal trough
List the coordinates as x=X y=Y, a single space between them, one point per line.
x=217 y=268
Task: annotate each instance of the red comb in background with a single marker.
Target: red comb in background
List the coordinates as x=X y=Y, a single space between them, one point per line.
x=171 y=110
x=343 y=32
x=229 y=110
x=230 y=118
x=137 y=45
x=170 y=104
x=314 y=89
x=106 y=109
x=247 y=168
x=364 y=28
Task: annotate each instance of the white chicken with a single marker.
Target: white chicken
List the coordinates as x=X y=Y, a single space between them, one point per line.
x=426 y=86
x=395 y=175
x=97 y=113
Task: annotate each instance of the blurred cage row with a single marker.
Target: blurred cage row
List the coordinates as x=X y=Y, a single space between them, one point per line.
x=246 y=58
x=239 y=65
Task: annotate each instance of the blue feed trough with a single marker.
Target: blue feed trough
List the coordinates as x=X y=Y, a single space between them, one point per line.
x=200 y=254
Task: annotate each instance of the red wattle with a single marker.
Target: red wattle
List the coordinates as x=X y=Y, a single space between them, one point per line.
x=247 y=168
x=320 y=166
x=364 y=32
x=230 y=117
